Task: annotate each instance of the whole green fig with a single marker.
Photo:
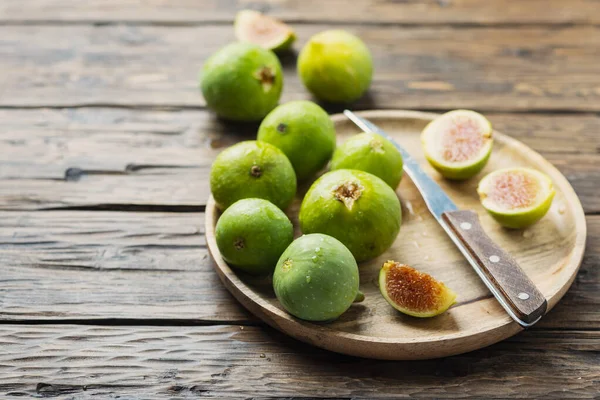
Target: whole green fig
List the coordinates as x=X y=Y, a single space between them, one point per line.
x=316 y=278
x=355 y=207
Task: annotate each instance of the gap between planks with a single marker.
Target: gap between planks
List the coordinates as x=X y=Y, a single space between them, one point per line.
x=174 y=322
x=330 y=108
x=291 y=21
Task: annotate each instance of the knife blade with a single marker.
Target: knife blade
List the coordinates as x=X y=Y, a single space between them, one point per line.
x=500 y=272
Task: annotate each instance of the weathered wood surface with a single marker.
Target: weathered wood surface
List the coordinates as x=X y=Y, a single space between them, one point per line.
x=76 y=265
x=89 y=156
x=109 y=265
x=517 y=61
x=245 y=362
x=501 y=69
x=414 y=12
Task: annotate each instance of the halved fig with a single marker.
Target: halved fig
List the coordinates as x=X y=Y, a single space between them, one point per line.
x=267 y=32
x=458 y=144
x=412 y=292
x=516 y=197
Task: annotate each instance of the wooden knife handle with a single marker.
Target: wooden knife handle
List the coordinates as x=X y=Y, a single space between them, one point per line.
x=500 y=268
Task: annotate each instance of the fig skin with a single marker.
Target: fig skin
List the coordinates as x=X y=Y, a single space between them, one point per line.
x=458 y=171
x=367 y=224
x=252 y=234
x=316 y=278
x=242 y=82
x=519 y=218
x=370 y=153
x=252 y=169
x=428 y=297
x=304 y=132
x=246 y=21
x=335 y=66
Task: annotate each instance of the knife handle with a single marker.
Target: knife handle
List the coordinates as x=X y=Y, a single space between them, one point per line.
x=503 y=275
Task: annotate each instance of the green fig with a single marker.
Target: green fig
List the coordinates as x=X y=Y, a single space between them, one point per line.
x=268 y=32
x=336 y=66
x=242 y=82
x=370 y=153
x=458 y=144
x=412 y=292
x=252 y=234
x=516 y=197
x=355 y=207
x=252 y=169
x=304 y=132
x=316 y=278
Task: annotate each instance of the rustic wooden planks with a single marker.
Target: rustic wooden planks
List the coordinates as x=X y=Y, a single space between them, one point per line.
x=501 y=69
x=531 y=57
x=78 y=265
x=416 y=12
x=109 y=265
x=233 y=361
x=90 y=156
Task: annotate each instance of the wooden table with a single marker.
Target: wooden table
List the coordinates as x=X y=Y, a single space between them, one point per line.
x=106 y=287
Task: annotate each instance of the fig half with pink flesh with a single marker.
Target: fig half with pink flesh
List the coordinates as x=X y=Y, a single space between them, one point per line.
x=516 y=197
x=458 y=144
x=268 y=32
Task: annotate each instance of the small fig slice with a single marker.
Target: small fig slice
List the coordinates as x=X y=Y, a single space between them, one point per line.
x=516 y=197
x=412 y=292
x=267 y=32
x=458 y=144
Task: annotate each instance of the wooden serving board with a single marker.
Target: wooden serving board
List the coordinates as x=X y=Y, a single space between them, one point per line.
x=550 y=252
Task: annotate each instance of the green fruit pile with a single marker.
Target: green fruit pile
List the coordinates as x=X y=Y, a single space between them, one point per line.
x=243 y=81
x=347 y=215
x=351 y=213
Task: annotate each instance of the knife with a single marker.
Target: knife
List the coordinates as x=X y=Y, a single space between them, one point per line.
x=499 y=271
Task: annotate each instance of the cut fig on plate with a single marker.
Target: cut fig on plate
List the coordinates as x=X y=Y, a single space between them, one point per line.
x=412 y=292
x=458 y=144
x=516 y=197
x=267 y=32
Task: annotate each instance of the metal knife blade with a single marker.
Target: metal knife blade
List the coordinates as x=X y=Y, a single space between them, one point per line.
x=497 y=269
x=436 y=199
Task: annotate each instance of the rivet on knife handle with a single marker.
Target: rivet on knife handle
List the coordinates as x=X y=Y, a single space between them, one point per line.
x=499 y=267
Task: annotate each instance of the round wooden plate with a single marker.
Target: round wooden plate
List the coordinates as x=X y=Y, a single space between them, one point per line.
x=550 y=252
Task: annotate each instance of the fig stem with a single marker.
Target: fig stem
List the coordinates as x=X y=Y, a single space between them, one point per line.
x=359 y=297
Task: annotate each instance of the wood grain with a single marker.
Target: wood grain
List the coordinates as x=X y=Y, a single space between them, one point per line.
x=246 y=362
x=550 y=64
x=109 y=265
x=529 y=68
x=548 y=252
x=90 y=265
x=91 y=156
x=416 y=12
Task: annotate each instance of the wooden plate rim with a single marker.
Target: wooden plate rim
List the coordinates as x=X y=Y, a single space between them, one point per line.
x=321 y=335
